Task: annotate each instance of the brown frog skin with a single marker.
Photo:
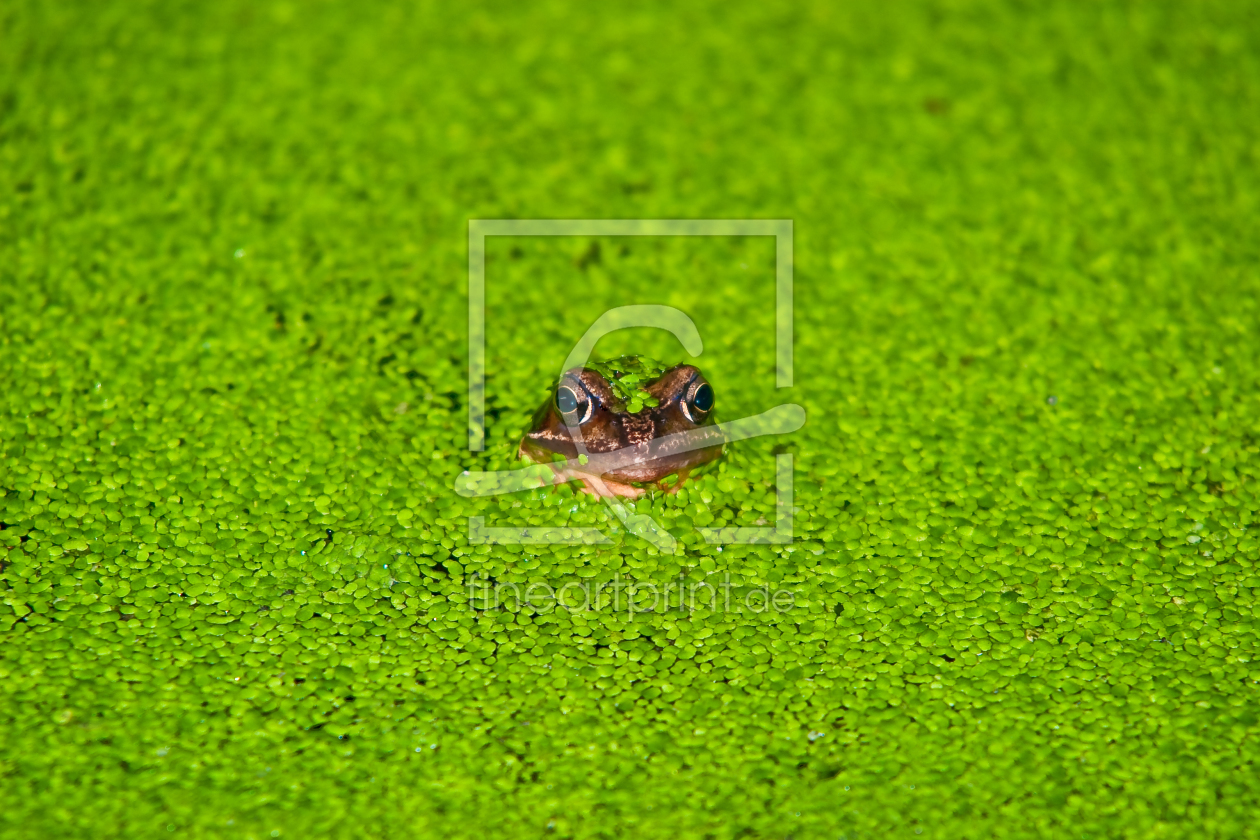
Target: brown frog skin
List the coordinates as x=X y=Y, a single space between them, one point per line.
x=684 y=402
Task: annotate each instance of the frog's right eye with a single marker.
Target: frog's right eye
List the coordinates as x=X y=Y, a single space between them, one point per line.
x=574 y=404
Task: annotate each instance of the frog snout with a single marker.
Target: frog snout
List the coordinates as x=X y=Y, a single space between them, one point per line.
x=637 y=428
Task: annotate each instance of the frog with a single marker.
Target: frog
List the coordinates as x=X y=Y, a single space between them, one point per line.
x=619 y=403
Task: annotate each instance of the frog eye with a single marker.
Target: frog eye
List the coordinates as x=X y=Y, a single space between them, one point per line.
x=573 y=404
x=698 y=402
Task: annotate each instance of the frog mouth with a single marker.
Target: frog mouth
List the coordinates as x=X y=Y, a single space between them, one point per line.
x=776 y=421
x=645 y=468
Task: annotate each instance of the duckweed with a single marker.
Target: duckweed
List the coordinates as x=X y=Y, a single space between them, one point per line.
x=236 y=577
x=626 y=376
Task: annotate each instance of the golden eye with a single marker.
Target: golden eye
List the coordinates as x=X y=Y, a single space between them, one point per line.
x=702 y=399
x=573 y=404
x=698 y=402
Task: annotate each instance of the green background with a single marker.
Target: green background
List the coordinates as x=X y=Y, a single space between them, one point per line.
x=232 y=371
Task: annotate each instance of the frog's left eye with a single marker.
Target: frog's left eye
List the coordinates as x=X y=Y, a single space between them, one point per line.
x=698 y=402
x=573 y=404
